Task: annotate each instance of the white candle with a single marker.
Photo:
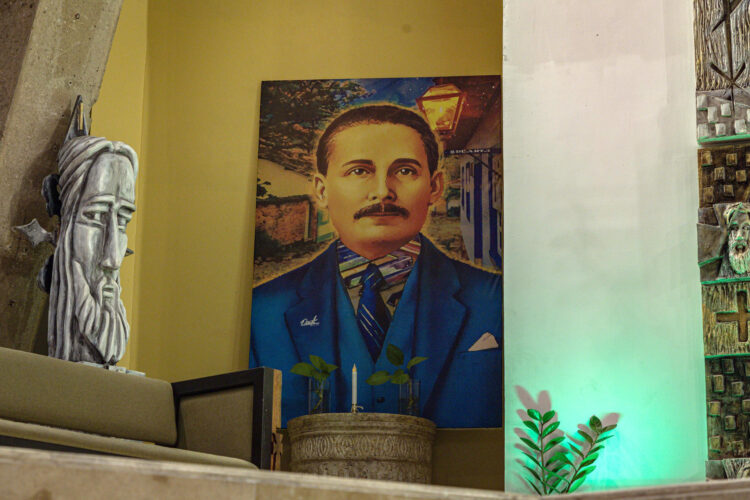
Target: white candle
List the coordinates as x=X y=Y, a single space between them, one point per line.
x=354 y=386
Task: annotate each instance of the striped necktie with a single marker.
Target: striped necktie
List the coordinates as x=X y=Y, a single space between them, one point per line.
x=372 y=316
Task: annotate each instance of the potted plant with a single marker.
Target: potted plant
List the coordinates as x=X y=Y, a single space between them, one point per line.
x=560 y=465
x=408 y=400
x=319 y=388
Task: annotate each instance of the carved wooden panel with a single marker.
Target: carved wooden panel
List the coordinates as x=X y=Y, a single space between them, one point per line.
x=722 y=56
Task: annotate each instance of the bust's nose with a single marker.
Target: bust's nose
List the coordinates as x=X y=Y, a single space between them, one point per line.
x=111 y=258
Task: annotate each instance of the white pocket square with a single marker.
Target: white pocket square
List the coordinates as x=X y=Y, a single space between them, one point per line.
x=486 y=341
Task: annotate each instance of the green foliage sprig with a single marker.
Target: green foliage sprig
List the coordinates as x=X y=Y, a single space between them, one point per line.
x=561 y=467
x=402 y=374
x=318 y=370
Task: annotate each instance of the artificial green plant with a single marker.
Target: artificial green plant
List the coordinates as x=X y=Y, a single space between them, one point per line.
x=561 y=466
x=401 y=375
x=318 y=370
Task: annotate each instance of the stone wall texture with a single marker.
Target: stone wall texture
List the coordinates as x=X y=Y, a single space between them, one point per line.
x=286 y=220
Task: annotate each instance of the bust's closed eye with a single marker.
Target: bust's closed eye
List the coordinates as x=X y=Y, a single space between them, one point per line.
x=123 y=218
x=96 y=216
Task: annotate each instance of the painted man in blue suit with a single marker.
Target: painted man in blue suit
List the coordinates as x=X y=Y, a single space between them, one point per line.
x=382 y=282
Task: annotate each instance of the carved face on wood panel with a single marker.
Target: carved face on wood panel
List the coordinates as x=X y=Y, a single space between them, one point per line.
x=738 y=237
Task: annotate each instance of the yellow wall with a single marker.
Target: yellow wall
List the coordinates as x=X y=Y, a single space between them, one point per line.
x=118 y=115
x=199 y=155
x=182 y=87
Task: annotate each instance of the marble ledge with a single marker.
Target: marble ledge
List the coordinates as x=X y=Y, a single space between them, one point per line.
x=50 y=475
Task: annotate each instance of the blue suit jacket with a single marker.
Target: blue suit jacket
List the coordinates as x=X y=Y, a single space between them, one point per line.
x=445 y=308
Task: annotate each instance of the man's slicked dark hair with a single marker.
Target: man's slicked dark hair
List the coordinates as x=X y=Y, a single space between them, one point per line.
x=377 y=114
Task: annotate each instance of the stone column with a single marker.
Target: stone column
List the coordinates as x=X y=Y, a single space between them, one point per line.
x=50 y=52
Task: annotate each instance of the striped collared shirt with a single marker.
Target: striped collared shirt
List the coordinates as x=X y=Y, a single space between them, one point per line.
x=395 y=268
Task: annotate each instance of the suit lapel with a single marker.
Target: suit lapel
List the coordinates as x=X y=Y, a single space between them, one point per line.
x=312 y=322
x=439 y=316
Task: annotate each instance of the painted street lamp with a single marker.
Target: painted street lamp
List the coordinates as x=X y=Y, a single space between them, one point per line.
x=441 y=106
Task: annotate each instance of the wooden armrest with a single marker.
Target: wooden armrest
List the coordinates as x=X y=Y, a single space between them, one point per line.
x=233 y=414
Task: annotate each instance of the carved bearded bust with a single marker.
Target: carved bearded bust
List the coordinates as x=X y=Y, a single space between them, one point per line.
x=87 y=320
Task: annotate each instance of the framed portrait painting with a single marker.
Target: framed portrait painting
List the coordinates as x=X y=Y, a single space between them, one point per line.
x=379 y=223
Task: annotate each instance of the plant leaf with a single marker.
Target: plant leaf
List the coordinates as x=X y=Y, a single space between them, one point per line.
x=329 y=368
x=394 y=355
x=595 y=424
x=531 y=425
x=588 y=470
x=378 y=378
x=318 y=362
x=554 y=473
x=596 y=448
x=586 y=436
x=549 y=430
x=584 y=472
x=576 y=484
x=415 y=361
x=602 y=439
x=553 y=443
x=534 y=414
x=533 y=458
x=533 y=472
x=575 y=449
x=319 y=376
x=531 y=483
x=609 y=428
x=556 y=468
x=561 y=457
x=304 y=369
x=553 y=482
x=590 y=460
x=554 y=490
x=530 y=444
x=399 y=378
x=548 y=416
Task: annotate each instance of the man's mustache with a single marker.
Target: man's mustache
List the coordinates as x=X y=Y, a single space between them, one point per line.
x=381 y=209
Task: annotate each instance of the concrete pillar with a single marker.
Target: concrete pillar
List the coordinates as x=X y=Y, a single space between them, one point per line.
x=50 y=52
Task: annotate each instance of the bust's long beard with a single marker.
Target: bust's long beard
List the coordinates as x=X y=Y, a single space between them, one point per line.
x=739 y=261
x=80 y=327
x=103 y=329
